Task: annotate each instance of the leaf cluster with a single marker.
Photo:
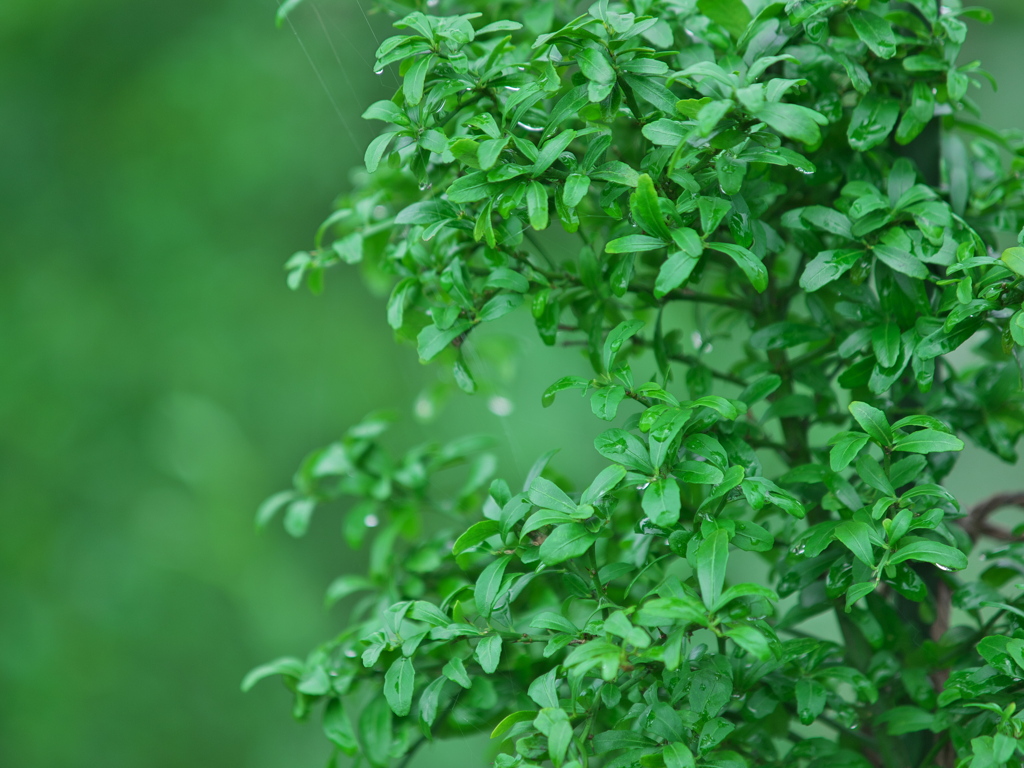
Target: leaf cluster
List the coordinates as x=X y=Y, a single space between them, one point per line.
x=790 y=214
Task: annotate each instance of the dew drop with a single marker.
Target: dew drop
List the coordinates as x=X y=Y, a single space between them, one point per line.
x=532 y=128
x=425 y=185
x=371 y=521
x=379 y=71
x=350 y=653
x=500 y=406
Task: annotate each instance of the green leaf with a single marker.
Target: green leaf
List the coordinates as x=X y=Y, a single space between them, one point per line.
x=432 y=340
x=1013 y=258
x=927 y=551
x=698 y=472
x=566 y=542
x=488 y=585
x=429 y=701
x=901 y=261
x=620 y=446
x=885 y=340
x=731 y=14
x=594 y=65
x=711 y=558
x=375 y=152
x=712 y=211
x=634 y=244
x=646 y=210
x=488 y=653
x=477 y=534
x=751 y=640
x=618 y=336
x=338 y=727
x=872 y=121
x=903 y=720
x=537 y=205
x=857 y=538
x=608 y=479
x=811 y=697
x=678 y=755
x=745 y=260
x=566 y=382
x=552 y=148
x=285 y=8
x=661 y=502
x=343 y=586
x=399 y=682
x=652 y=90
x=674 y=271
x=375 y=732
x=792 y=120
x=576 y=187
x=845 y=447
x=387 y=111
x=928 y=441
x=414 y=78
x=471 y=188
x=506 y=724
x=871 y=472
x=873 y=422
x=547 y=495
x=876 y=33
x=287 y=665
x=455 y=670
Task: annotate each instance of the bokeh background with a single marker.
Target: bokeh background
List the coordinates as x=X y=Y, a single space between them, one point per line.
x=158 y=163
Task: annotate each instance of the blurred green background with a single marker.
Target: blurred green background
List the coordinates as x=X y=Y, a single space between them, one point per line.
x=158 y=163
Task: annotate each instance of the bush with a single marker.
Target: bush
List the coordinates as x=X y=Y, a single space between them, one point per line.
x=803 y=185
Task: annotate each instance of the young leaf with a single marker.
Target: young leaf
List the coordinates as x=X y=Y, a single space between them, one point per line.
x=661 y=502
x=856 y=536
x=752 y=267
x=711 y=558
x=927 y=551
x=375 y=732
x=733 y=15
x=928 y=441
x=547 y=495
x=646 y=210
x=566 y=542
x=488 y=653
x=873 y=422
x=399 y=682
x=488 y=585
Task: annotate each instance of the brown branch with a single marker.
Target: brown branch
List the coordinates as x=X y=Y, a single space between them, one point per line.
x=976 y=523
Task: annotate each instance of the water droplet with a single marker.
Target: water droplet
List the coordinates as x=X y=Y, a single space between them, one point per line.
x=511 y=88
x=943 y=567
x=526 y=127
x=350 y=653
x=696 y=339
x=500 y=406
x=425 y=185
x=379 y=71
x=804 y=171
x=371 y=521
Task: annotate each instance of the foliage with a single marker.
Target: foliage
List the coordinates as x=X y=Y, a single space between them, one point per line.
x=765 y=572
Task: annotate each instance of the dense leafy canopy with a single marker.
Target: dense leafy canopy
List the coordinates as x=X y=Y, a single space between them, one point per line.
x=764 y=574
